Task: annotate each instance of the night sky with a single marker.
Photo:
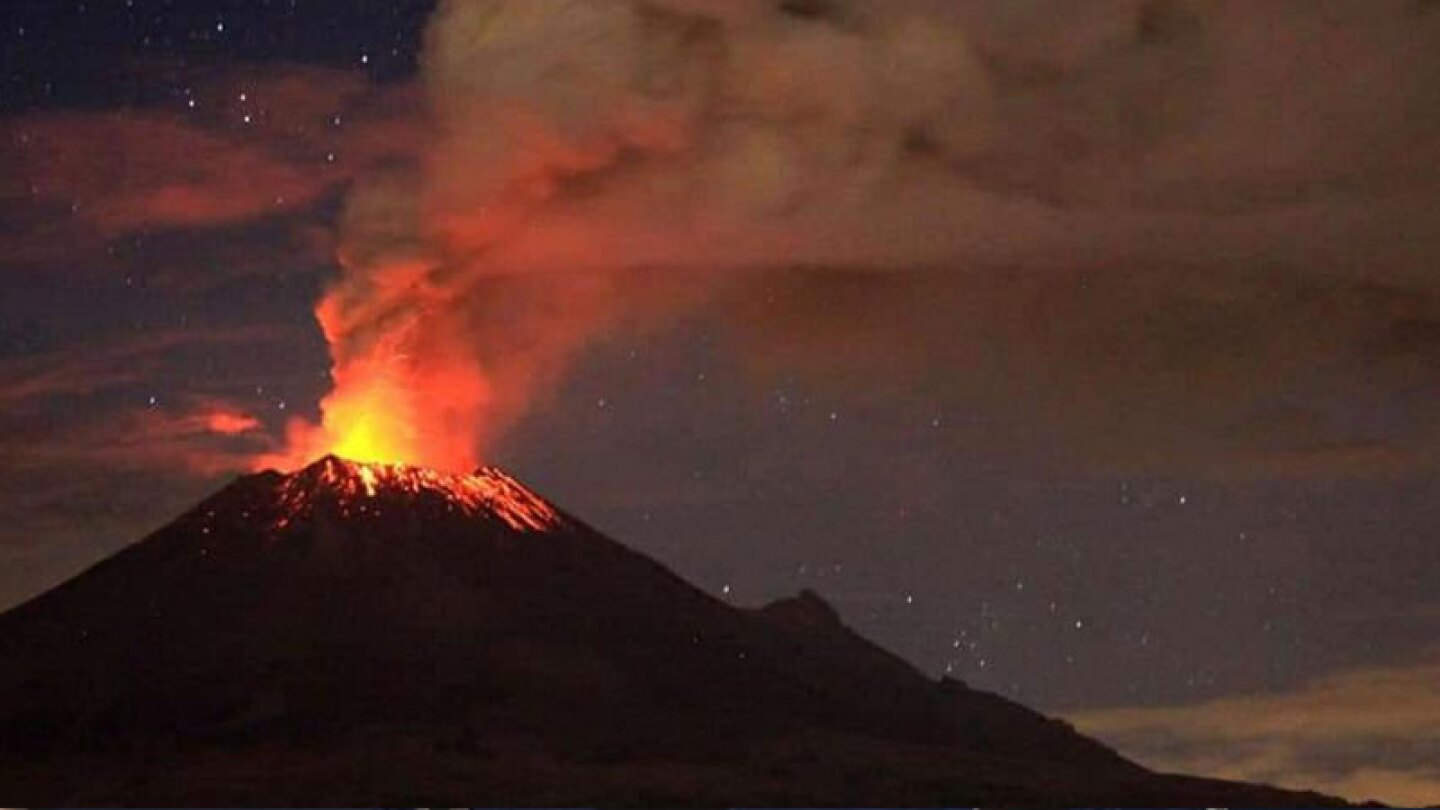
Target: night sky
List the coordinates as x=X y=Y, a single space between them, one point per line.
x=1113 y=393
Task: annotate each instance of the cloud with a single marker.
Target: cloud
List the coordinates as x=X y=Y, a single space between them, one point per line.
x=227 y=421
x=80 y=407
x=260 y=144
x=122 y=172
x=1151 y=228
x=1214 y=105
x=1367 y=734
x=39 y=381
x=205 y=439
x=1206 y=367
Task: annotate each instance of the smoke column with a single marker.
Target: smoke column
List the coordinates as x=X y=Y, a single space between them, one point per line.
x=590 y=164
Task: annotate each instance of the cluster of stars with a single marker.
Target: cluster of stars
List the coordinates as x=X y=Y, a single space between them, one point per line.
x=67 y=52
x=1001 y=633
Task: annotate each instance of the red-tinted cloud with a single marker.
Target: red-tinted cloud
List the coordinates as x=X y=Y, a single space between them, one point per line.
x=121 y=172
x=226 y=421
x=259 y=144
x=39 y=381
x=202 y=437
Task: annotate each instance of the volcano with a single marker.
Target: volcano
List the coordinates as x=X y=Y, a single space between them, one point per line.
x=368 y=634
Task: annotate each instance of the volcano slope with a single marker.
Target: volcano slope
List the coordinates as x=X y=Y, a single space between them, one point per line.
x=365 y=634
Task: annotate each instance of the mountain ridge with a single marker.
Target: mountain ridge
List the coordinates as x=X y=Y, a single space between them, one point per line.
x=490 y=648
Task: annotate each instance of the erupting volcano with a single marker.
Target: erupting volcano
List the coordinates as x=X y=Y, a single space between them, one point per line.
x=357 y=633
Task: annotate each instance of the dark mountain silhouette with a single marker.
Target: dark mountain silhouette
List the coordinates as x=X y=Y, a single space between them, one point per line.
x=372 y=635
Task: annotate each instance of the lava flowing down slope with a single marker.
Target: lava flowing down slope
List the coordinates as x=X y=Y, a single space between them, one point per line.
x=369 y=634
x=357 y=487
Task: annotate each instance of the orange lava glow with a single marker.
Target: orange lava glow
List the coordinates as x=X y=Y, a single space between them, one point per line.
x=398 y=399
x=358 y=488
x=369 y=421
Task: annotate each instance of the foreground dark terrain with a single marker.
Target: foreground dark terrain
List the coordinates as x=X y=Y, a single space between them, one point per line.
x=370 y=635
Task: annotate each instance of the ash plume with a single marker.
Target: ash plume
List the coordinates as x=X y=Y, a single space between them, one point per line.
x=1180 y=184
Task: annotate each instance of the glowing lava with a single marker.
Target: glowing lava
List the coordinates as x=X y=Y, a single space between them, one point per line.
x=403 y=397
x=359 y=488
x=370 y=423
